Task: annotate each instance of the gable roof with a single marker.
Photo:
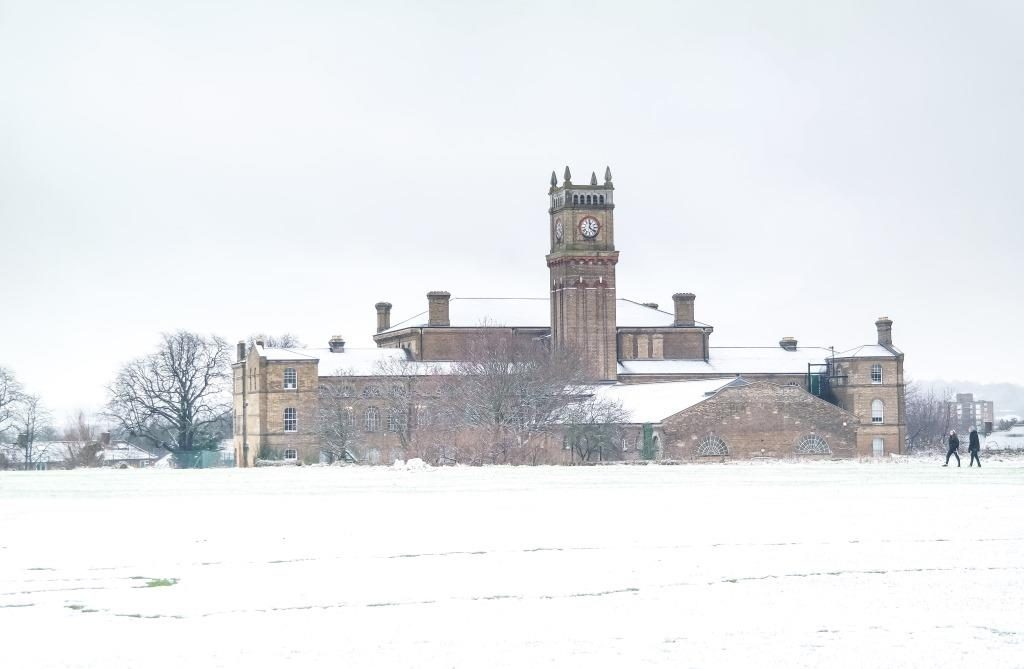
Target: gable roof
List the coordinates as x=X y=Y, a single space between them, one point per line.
x=531 y=312
x=653 y=402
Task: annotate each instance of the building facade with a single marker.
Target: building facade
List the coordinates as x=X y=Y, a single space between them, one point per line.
x=782 y=400
x=965 y=413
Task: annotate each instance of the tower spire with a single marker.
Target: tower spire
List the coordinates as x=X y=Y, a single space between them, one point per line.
x=554 y=179
x=593 y=178
x=568 y=175
x=607 y=176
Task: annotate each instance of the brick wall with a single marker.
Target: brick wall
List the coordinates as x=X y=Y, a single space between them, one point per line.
x=762 y=419
x=855 y=391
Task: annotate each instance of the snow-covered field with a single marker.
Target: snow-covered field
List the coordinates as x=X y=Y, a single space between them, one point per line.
x=831 y=564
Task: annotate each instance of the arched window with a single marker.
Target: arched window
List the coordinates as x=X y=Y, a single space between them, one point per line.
x=372 y=419
x=876 y=373
x=397 y=391
x=877 y=411
x=812 y=444
x=372 y=390
x=347 y=390
x=395 y=420
x=290 y=379
x=712 y=445
x=602 y=198
x=575 y=198
x=291 y=421
x=349 y=417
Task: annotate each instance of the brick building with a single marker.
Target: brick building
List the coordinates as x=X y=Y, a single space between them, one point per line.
x=965 y=412
x=686 y=398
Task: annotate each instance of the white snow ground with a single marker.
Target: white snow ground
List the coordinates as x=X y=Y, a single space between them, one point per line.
x=836 y=564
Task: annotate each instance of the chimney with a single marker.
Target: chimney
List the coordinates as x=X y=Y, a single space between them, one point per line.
x=240 y=351
x=336 y=344
x=788 y=343
x=884 y=325
x=437 y=302
x=650 y=305
x=259 y=342
x=383 y=315
x=104 y=439
x=684 y=309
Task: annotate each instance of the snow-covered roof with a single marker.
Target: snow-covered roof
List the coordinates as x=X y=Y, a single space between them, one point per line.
x=532 y=312
x=654 y=402
x=59 y=451
x=355 y=361
x=734 y=360
x=868 y=351
x=120 y=451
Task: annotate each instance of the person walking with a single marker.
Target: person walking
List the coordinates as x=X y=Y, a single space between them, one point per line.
x=974 y=446
x=954 y=446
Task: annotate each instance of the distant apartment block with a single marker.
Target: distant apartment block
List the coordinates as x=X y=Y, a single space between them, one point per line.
x=966 y=412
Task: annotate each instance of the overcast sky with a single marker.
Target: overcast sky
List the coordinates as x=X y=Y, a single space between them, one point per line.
x=233 y=167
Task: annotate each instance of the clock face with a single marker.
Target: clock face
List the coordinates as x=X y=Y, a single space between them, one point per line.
x=558 y=229
x=589 y=227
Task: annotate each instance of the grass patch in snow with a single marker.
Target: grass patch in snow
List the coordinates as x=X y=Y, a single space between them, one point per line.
x=79 y=607
x=155 y=582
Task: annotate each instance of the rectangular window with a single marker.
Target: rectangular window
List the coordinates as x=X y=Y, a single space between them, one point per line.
x=876 y=373
x=291 y=421
x=291 y=454
x=290 y=381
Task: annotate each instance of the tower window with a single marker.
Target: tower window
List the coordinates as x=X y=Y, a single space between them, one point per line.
x=290 y=379
x=575 y=198
x=291 y=421
x=876 y=373
x=877 y=409
x=602 y=198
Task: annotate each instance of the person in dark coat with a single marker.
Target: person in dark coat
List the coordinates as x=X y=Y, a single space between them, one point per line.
x=954 y=446
x=974 y=447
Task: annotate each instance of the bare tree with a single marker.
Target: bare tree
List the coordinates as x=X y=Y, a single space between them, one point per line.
x=178 y=396
x=336 y=423
x=409 y=402
x=82 y=443
x=927 y=417
x=286 y=340
x=10 y=394
x=31 y=419
x=509 y=393
x=594 y=427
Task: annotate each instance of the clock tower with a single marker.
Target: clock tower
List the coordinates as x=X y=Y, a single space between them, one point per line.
x=582 y=266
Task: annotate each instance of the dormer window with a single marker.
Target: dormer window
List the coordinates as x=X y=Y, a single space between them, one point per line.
x=290 y=378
